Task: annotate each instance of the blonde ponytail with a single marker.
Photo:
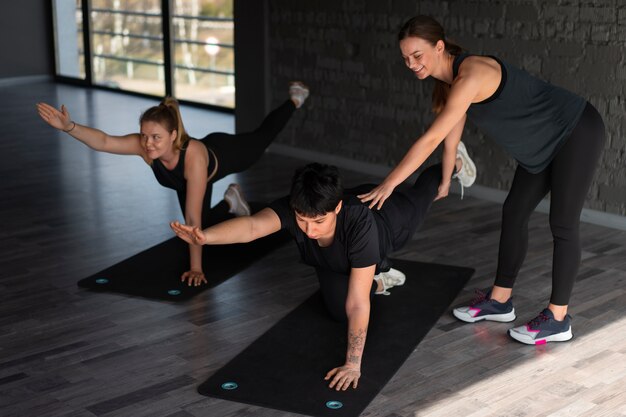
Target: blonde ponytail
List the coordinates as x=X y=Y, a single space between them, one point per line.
x=182 y=137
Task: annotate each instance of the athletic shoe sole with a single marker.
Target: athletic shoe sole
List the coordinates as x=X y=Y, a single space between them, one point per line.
x=502 y=318
x=300 y=91
x=468 y=165
x=396 y=278
x=559 y=337
x=238 y=201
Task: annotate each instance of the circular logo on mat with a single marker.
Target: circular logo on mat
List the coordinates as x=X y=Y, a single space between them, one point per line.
x=102 y=281
x=334 y=405
x=174 y=292
x=229 y=385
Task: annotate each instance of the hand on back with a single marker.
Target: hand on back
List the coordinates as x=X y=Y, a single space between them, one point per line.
x=377 y=196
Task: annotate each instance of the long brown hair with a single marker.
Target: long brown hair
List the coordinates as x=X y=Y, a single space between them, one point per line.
x=167 y=114
x=427 y=28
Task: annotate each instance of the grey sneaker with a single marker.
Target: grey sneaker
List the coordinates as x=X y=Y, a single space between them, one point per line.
x=467 y=174
x=298 y=92
x=234 y=197
x=389 y=279
x=543 y=329
x=483 y=307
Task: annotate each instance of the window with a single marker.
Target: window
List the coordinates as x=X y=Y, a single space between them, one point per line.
x=129 y=41
x=68 y=38
x=204 y=58
x=127 y=45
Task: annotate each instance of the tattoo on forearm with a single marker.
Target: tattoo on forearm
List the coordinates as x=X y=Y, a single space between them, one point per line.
x=354 y=359
x=356 y=341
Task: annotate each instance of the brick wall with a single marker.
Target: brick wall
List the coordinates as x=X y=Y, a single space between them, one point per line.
x=368 y=107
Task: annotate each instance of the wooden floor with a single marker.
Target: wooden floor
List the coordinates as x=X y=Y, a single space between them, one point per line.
x=67 y=212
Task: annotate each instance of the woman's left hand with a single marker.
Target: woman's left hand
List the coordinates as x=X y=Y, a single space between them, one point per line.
x=444 y=189
x=194 y=277
x=343 y=377
x=378 y=195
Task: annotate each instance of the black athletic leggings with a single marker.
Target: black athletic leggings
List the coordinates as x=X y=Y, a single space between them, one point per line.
x=236 y=153
x=406 y=215
x=568 y=178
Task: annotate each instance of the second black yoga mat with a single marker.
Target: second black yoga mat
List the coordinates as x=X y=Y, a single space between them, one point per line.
x=284 y=368
x=155 y=273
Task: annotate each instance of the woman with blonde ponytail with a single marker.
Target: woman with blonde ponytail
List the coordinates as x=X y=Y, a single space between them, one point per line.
x=555 y=136
x=187 y=165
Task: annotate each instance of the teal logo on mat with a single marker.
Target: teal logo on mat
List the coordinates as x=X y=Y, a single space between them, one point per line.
x=174 y=292
x=229 y=385
x=102 y=281
x=334 y=405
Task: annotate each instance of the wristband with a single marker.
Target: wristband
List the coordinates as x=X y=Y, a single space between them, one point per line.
x=72 y=128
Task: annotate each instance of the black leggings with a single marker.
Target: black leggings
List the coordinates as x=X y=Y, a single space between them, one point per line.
x=404 y=213
x=568 y=178
x=236 y=153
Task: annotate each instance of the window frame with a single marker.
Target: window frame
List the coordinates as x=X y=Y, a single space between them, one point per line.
x=168 y=62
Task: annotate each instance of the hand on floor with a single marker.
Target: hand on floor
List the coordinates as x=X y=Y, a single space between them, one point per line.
x=194 y=278
x=344 y=376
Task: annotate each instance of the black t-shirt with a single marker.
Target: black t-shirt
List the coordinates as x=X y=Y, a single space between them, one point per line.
x=360 y=237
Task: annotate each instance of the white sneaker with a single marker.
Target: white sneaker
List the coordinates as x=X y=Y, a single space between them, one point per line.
x=298 y=92
x=467 y=174
x=389 y=279
x=234 y=197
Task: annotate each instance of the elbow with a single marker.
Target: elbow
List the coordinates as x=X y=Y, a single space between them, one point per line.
x=254 y=231
x=356 y=309
x=434 y=141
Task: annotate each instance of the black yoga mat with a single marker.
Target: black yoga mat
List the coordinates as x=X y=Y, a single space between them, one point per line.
x=285 y=367
x=155 y=273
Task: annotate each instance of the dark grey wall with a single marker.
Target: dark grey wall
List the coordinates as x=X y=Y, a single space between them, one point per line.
x=366 y=106
x=25 y=44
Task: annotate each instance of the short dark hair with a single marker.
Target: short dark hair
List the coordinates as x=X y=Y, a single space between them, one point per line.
x=316 y=189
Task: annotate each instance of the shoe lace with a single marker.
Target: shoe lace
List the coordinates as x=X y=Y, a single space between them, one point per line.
x=538 y=320
x=479 y=297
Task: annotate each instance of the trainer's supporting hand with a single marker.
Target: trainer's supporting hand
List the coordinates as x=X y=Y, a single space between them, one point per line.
x=58 y=119
x=190 y=234
x=378 y=195
x=343 y=377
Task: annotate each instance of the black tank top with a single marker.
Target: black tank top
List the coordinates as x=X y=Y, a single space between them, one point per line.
x=528 y=117
x=175 y=178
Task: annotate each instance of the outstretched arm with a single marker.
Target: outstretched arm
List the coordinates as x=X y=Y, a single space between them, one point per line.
x=448 y=160
x=238 y=230
x=94 y=138
x=462 y=93
x=358 y=312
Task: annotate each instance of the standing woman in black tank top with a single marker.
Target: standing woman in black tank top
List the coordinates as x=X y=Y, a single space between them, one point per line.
x=182 y=163
x=555 y=136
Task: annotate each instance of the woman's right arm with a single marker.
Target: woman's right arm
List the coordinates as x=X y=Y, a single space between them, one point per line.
x=94 y=138
x=463 y=91
x=238 y=230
